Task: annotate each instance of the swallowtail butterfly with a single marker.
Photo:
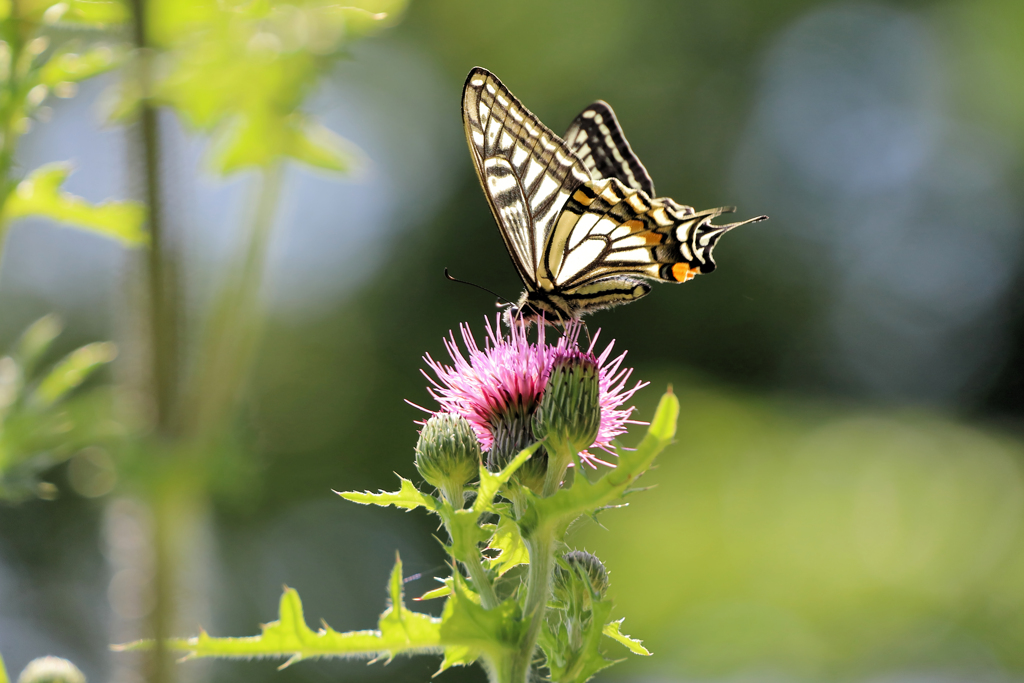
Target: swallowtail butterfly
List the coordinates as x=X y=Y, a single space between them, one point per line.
x=579 y=215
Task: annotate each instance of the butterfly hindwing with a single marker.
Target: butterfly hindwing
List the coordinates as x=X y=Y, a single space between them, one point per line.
x=609 y=230
x=597 y=138
x=527 y=171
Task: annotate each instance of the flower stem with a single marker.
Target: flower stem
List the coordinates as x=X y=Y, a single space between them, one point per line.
x=541 y=545
x=488 y=598
x=559 y=456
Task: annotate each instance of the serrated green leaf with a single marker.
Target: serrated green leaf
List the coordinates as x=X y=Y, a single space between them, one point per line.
x=466 y=533
x=584 y=496
x=40 y=195
x=71 y=67
x=491 y=483
x=408 y=497
x=508 y=540
x=400 y=630
x=441 y=592
x=71 y=371
x=636 y=646
x=466 y=624
x=457 y=655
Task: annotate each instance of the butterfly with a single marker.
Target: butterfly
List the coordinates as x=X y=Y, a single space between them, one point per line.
x=579 y=215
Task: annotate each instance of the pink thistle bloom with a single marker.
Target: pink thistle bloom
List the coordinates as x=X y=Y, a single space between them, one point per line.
x=498 y=388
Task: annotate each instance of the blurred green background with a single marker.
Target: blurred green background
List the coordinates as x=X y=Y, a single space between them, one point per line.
x=846 y=497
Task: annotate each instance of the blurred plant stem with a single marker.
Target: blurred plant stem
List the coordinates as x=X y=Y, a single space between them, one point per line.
x=163 y=302
x=191 y=412
x=12 y=56
x=234 y=326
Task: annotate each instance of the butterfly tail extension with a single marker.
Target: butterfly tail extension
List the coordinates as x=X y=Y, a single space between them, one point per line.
x=688 y=245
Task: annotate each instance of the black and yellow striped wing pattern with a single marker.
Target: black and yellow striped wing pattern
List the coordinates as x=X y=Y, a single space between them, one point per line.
x=578 y=215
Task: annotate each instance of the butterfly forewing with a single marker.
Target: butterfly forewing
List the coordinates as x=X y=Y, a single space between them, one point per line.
x=527 y=172
x=597 y=139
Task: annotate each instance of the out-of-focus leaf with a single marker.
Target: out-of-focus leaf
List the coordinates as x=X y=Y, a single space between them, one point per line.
x=40 y=194
x=636 y=646
x=244 y=70
x=70 y=372
x=289 y=636
x=36 y=340
x=5 y=11
x=11 y=382
x=91 y=13
x=71 y=67
x=260 y=140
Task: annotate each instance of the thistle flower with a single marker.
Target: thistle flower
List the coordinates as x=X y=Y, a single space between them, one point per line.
x=499 y=388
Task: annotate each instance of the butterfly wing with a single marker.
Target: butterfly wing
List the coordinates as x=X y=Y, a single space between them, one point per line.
x=597 y=139
x=609 y=234
x=526 y=171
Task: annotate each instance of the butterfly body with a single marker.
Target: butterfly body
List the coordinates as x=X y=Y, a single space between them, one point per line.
x=578 y=215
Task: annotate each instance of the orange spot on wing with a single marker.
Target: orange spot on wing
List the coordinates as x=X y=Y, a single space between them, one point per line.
x=583 y=198
x=683 y=272
x=635 y=225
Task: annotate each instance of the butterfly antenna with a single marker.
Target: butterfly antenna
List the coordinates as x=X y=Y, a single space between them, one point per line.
x=473 y=284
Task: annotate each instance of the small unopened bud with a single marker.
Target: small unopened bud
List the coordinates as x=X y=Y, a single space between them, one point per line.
x=570 y=409
x=584 y=580
x=448 y=455
x=577 y=586
x=51 y=670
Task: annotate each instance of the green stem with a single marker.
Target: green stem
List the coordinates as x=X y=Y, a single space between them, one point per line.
x=559 y=457
x=163 y=348
x=488 y=598
x=13 y=33
x=484 y=587
x=541 y=545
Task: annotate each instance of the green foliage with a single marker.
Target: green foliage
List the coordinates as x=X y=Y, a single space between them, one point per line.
x=399 y=631
x=31 y=72
x=242 y=71
x=476 y=625
x=40 y=195
x=42 y=419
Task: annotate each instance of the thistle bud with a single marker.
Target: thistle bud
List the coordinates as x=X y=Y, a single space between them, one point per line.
x=570 y=409
x=584 y=580
x=448 y=455
x=51 y=670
